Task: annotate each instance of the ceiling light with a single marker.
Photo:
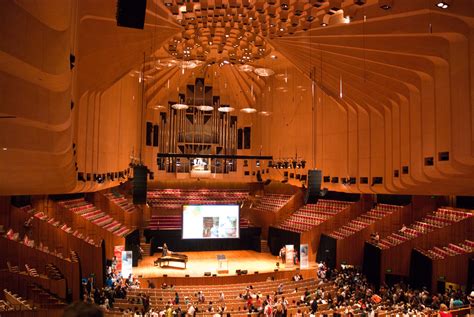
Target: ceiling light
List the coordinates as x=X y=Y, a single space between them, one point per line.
x=158 y=107
x=324 y=24
x=347 y=20
x=246 y=68
x=5 y=149
x=442 y=5
x=205 y=108
x=264 y=72
x=167 y=63
x=180 y=106
x=385 y=4
x=248 y=110
x=225 y=109
x=265 y=113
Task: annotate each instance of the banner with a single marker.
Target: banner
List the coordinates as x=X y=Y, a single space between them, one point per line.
x=304 y=264
x=126 y=263
x=118 y=256
x=290 y=253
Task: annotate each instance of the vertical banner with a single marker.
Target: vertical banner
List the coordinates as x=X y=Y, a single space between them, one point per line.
x=290 y=252
x=126 y=263
x=118 y=256
x=304 y=264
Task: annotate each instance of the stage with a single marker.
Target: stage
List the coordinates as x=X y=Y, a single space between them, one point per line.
x=206 y=261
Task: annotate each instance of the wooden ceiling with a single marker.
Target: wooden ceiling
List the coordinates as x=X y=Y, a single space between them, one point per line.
x=394 y=85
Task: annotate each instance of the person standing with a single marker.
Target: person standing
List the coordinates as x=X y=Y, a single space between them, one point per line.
x=165 y=250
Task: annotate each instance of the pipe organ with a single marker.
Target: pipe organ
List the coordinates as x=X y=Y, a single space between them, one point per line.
x=194 y=131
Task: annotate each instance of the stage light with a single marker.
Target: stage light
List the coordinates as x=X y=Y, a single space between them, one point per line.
x=443 y=4
x=385 y=4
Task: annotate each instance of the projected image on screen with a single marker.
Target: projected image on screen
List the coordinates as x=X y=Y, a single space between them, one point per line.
x=210 y=221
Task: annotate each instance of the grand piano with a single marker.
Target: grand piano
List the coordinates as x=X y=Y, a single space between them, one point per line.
x=164 y=261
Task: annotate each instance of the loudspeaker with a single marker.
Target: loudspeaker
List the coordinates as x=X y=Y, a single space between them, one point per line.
x=139 y=184
x=244 y=271
x=131 y=13
x=207 y=273
x=238 y=271
x=247 y=138
x=259 y=177
x=314 y=186
x=20 y=201
x=149 y=133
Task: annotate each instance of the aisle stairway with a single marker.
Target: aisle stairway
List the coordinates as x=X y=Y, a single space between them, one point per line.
x=264 y=246
x=146 y=248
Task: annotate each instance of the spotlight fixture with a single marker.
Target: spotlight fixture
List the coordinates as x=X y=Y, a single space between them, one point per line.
x=100 y=179
x=324 y=24
x=443 y=4
x=248 y=110
x=246 y=68
x=225 y=108
x=264 y=72
x=385 y=4
x=205 y=108
x=180 y=106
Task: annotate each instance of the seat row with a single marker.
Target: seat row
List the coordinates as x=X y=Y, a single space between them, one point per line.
x=96 y=216
x=311 y=215
x=175 y=198
x=16 y=302
x=120 y=201
x=64 y=227
x=452 y=249
x=363 y=221
x=438 y=219
x=271 y=202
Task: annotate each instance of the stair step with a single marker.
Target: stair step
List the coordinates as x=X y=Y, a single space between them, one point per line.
x=146 y=248
x=264 y=246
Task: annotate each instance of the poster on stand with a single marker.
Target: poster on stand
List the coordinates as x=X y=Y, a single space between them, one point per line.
x=290 y=251
x=304 y=264
x=118 y=249
x=126 y=263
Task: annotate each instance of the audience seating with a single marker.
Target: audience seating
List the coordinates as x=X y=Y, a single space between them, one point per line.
x=311 y=215
x=15 y=301
x=64 y=227
x=452 y=249
x=438 y=219
x=364 y=220
x=270 y=202
x=91 y=213
x=176 y=198
x=120 y=201
x=293 y=291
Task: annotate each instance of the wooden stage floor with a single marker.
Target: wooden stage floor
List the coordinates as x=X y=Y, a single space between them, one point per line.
x=206 y=261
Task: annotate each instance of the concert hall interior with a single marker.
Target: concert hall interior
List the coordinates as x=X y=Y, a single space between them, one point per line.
x=275 y=157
